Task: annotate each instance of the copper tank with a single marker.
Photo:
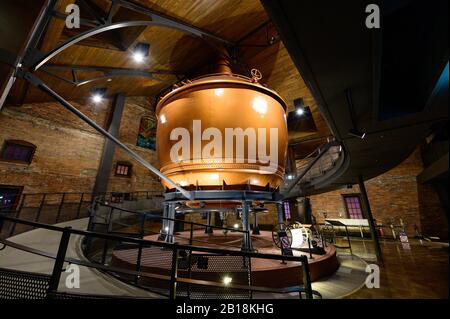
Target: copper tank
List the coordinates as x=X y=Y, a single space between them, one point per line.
x=221 y=101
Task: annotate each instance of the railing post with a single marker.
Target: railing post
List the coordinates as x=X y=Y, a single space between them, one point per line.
x=307 y=279
x=142 y=230
x=79 y=205
x=309 y=248
x=40 y=208
x=58 y=214
x=208 y=229
x=105 y=250
x=19 y=210
x=138 y=263
x=174 y=274
x=191 y=233
x=111 y=211
x=59 y=262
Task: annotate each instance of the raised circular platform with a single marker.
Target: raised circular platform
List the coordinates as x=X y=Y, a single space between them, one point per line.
x=265 y=272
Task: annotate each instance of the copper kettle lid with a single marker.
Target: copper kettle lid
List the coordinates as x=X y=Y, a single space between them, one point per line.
x=221 y=80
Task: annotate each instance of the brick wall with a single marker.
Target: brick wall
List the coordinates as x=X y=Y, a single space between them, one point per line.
x=394 y=194
x=68 y=151
x=432 y=215
x=141 y=178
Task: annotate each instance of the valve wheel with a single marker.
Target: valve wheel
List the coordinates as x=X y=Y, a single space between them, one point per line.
x=256 y=75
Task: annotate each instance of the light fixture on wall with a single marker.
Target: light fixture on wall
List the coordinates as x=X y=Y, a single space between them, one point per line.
x=140 y=52
x=98 y=94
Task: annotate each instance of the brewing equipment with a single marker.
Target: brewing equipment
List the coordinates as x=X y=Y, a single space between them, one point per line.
x=196 y=122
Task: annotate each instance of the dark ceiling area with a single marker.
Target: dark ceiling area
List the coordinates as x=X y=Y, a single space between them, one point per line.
x=390 y=83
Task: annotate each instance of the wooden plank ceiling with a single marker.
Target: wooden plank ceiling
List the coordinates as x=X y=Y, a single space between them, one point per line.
x=242 y=22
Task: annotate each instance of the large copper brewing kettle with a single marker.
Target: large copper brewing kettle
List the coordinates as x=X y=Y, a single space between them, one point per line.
x=221 y=101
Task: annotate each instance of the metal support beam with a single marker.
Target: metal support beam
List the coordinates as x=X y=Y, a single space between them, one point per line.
x=170 y=223
x=255 y=230
x=34 y=80
x=164 y=224
x=106 y=161
x=208 y=229
x=373 y=230
x=280 y=213
x=108 y=72
x=246 y=242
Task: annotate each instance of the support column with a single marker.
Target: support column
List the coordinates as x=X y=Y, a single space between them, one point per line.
x=300 y=215
x=209 y=230
x=255 y=224
x=170 y=223
x=106 y=161
x=164 y=224
x=291 y=166
x=369 y=216
x=280 y=214
x=246 y=242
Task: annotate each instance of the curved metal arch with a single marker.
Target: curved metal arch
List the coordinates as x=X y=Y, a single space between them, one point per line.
x=77 y=83
x=104 y=77
x=155 y=22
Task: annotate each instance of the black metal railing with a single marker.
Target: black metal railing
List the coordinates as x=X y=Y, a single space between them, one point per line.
x=53 y=208
x=176 y=280
x=114 y=222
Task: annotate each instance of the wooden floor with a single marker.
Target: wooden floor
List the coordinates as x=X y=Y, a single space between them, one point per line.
x=418 y=271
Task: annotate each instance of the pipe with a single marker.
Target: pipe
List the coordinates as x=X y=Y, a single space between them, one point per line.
x=34 y=80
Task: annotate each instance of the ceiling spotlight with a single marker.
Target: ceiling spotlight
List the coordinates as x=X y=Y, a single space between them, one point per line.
x=356 y=133
x=140 y=52
x=299 y=106
x=300 y=111
x=97 y=95
x=97 y=98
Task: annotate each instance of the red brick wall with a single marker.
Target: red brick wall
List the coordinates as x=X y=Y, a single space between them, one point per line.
x=141 y=179
x=68 y=151
x=432 y=214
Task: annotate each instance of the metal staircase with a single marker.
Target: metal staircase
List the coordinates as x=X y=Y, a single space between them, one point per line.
x=315 y=170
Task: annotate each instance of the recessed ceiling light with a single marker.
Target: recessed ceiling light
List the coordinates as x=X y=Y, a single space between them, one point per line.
x=97 y=98
x=138 y=57
x=300 y=111
x=98 y=94
x=140 y=52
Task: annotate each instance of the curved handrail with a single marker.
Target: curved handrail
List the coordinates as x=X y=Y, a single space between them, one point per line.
x=143 y=243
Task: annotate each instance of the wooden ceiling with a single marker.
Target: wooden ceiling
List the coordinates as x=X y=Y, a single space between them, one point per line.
x=243 y=22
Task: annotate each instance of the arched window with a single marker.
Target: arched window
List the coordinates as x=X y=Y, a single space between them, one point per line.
x=17 y=151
